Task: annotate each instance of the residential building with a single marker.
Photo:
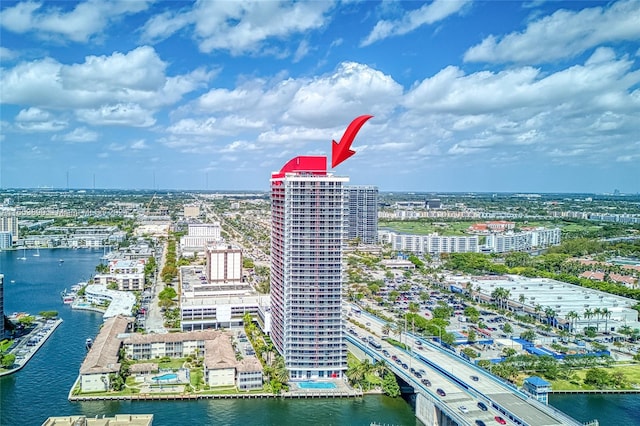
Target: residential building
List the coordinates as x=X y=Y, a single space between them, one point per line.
x=116 y=420
x=120 y=302
x=431 y=244
x=530 y=239
x=191 y=211
x=198 y=236
x=363 y=213
x=224 y=263
x=308 y=230
x=249 y=374
x=9 y=222
x=102 y=359
x=6 y=240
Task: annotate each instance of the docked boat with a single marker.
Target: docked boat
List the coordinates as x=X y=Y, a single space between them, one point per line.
x=61 y=261
x=88 y=343
x=68 y=296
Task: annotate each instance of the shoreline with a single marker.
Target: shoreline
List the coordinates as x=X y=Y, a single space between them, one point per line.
x=596 y=391
x=34 y=349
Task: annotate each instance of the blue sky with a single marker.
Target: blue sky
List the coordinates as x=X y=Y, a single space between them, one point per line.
x=467 y=96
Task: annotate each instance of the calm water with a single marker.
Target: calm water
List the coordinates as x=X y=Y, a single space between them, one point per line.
x=40 y=389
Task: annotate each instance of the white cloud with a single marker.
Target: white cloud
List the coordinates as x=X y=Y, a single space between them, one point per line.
x=131 y=115
x=240 y=27
x=86 y=20
x=33 y=114
x=38 y=120
x=301 y=51
x=596 y=84
x=80 y=134
x=139 y=144
x=564 y=34
x=138 y=70
x=426 y=15
x=7 y=54
x=137 y=77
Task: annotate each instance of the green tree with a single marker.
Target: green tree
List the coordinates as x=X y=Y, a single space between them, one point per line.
x=507 y=328
x=7 y=360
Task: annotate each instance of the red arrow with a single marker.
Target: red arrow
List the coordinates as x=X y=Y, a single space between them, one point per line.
x=342 y=151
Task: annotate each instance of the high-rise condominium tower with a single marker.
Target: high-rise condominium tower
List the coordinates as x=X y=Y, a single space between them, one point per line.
x=363 y=213
x=309 y=226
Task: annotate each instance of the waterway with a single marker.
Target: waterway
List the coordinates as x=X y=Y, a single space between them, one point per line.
x=40 y=389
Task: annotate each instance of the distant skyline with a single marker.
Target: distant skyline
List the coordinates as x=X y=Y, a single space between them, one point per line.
x=480 y=96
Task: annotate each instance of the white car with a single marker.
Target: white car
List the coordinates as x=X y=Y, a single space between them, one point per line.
x=463 y=409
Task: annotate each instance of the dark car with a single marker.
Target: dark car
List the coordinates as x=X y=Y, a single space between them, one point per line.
x=426 y=382
x=441 y=392
x=418 y=375
x=482 y=406
x=385 y=353
x=405 y=366
x=500 y=420
x=475 y=378
x=480 y=423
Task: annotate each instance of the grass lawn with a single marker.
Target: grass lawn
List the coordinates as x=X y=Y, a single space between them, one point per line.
x=424 y=228
x=173 y=364
x=631 y=373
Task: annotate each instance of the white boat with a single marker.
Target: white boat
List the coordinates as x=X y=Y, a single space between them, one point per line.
x=37 y=253
x=88 y=343
x=24 y=254
x=68 y=297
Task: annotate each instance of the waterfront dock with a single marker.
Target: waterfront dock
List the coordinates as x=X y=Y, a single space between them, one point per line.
x=24 y=352
x=194 y=397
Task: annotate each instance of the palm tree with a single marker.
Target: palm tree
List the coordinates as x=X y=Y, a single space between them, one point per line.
x=588 y=314
x=550 y=314
x=597 y=313
x=572 y=317
x=537 y=309
x=522 y=298
x=606 y=313
x=386 y=329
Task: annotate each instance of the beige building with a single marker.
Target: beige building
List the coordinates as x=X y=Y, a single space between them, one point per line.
x=9 y=222
x=117 y=420
x=102 y=358
x=191 y=210
x=219 y=362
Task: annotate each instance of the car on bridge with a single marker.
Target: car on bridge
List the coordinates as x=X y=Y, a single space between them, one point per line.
x=500 y=420
x=463 y=409
x=480 y=423
x=475 y=378
x=482 y=406
x=441 y=392
x=425 y=382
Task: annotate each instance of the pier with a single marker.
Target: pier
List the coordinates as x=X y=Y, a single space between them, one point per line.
x=47 y=329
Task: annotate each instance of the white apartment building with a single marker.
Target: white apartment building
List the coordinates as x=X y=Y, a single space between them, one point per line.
x=308 y=230
x=363 y=213
x=199 y=235
x=523 y=241
x=9 y=222
x=224 y=263
x=431 y=244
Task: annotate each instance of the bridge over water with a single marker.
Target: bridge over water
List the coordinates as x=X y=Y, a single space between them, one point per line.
x=457 y=378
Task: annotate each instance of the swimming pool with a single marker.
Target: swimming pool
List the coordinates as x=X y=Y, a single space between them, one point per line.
x=166 y=377
x=316 y=385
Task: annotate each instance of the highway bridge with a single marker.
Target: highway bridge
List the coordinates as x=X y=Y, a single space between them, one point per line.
x=456 y=392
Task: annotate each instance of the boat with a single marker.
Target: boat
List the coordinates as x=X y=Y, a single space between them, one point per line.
x=61 y=261
x=24 y=254
x=88 y=343
x=68 y=297
x=37 y=253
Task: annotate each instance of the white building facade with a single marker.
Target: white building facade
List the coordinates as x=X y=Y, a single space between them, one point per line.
x=309 y=227
x=431 y=244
